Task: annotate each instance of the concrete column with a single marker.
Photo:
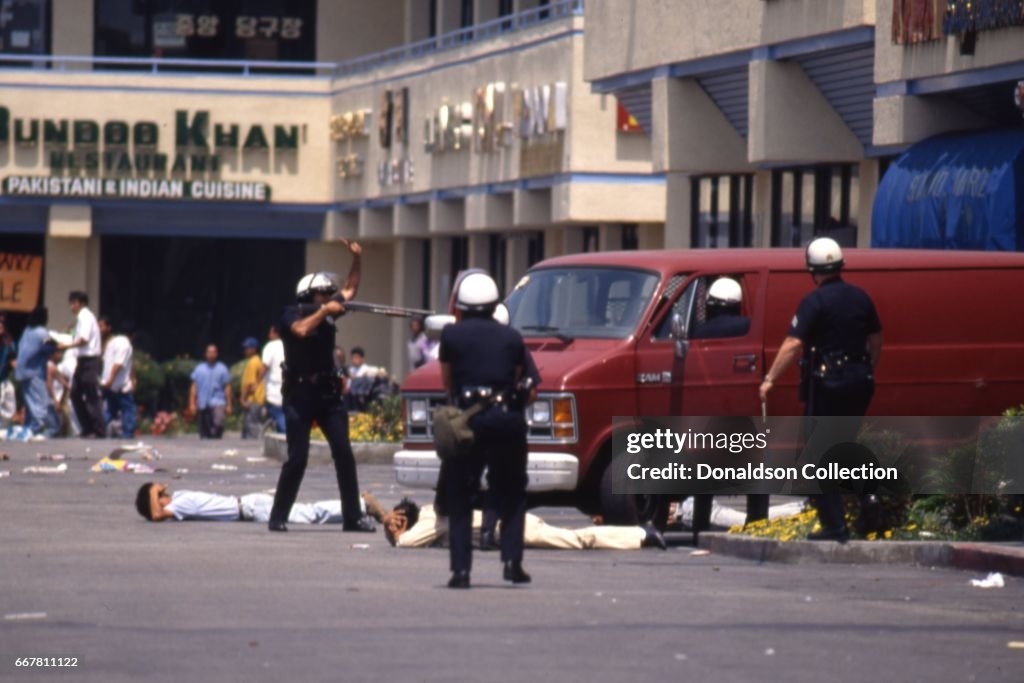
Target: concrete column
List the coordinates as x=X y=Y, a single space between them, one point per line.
x=554 y=241
x=792 y=122
x=407 y=275
x=609 y=237
x=341 y=225
x=868 y=187
x=479 y=251
x=72 y=260
x=412 y=220
x=531 y=208
x=376 y=224
x=651 y=236
x=572 y=239
x=678 y=216
x=440 y=266
x=762 y=209
x=516 y=259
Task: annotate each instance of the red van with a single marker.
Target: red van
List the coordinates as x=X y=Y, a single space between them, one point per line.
x=600 y=327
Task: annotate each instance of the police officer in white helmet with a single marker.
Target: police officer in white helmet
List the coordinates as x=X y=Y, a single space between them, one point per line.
x=482 y=362
x=725 y=298
x=837 y=332
x=312 y=391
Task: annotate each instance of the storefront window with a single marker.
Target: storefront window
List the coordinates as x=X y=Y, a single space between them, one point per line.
x=813 y=202
x=25 y=28
x=264 y=30
x=722 y=215
x=630 y=238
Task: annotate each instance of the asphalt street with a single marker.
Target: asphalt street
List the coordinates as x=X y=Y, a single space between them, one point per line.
x=82 y=575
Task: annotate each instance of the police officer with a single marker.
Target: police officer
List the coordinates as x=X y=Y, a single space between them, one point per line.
x=483 y=361
x=723 y=306
x=837 y=332
x=312 y=391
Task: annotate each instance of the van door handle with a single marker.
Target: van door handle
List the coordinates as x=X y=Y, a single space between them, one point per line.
x=745 y=363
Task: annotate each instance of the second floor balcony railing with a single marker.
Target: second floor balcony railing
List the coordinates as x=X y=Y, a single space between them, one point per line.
x=557 y=9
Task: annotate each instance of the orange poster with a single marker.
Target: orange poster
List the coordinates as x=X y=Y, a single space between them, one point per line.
x=20 y=275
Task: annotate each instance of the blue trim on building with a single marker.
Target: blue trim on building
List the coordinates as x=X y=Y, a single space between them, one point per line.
x=156 y=89
x=960 y=80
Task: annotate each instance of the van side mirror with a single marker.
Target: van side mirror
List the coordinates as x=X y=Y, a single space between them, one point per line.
x=678 y=332
x=433 y=324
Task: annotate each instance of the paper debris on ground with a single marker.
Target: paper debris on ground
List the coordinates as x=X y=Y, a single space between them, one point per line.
x=993 y=580
x=223 y=468
x=24 y=616
x=43 y=469
x=231 y=452
x=700 y=553
x=109 y=464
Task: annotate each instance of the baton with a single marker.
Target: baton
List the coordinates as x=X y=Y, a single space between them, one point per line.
x=383 y=309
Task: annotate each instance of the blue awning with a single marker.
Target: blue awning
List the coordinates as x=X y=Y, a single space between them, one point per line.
x=963 y=191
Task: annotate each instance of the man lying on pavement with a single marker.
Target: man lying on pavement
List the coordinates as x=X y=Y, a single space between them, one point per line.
x=156 y=503
x=409 y=525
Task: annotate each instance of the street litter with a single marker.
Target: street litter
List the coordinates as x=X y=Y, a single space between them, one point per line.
x=993 y=580
x=360 y=546
x=769 y=651
x=257 y=458
x=231 y=452
x=40 y=469
x=700 y=553
x=109 y=464
x=24 y=616
x=223 y=468
x=51 y=457
x=182 y=470
x=143 y=450
x=1016 y=645
x=255 y=476
x=5 y=473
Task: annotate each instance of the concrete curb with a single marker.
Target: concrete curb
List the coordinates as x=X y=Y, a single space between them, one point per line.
x=981 y=557
x=275 y=447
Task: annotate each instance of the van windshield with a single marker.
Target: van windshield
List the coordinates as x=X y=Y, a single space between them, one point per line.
x=570 y=303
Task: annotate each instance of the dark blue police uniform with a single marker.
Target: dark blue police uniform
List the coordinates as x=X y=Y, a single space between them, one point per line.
x=312 y=391
x=837 y=379
x=722 y=326
x=484 y=354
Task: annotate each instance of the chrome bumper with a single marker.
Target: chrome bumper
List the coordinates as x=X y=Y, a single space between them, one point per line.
x=546 y=471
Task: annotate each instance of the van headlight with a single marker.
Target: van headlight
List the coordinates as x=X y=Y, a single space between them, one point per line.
x=418 y=411
x=552 y=418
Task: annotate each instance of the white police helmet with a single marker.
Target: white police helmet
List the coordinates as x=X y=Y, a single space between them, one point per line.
x=477 y=292
x=824 y=255
x=501 y=314
x=725 y=292
x=313 y=283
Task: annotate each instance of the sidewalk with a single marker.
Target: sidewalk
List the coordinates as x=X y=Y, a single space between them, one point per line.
x=1007 y=558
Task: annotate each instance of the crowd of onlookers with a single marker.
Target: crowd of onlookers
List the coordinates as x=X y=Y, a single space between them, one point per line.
x=82 y=383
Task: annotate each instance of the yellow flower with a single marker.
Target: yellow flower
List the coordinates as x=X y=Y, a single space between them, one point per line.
x=888 y=533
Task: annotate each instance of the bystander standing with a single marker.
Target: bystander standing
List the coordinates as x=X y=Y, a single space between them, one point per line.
x=210 y=396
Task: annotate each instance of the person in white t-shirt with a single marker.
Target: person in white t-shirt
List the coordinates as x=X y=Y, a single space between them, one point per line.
x=270 y=372
x=85 y=386
x=117 y=379
x=156 y=502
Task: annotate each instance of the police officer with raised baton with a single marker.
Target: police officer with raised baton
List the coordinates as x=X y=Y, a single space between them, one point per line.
x=483 y=361
x=312 y=391
x=837 y=332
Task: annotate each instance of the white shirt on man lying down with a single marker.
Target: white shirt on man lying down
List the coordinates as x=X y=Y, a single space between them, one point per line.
x=254 y=507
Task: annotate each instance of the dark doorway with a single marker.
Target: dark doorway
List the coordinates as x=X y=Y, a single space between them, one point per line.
x=183 y=293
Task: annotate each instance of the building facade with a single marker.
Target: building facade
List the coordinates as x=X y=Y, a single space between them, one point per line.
x=185 y=163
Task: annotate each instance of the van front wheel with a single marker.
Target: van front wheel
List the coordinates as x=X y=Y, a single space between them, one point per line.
x=631 y=509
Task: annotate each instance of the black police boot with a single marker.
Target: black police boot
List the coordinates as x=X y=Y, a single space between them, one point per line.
x=653 y=539
x=488 y=541
x=460 y=579
x=841 y=535
x=277 y=526
x=515 y=573
x=364 y=524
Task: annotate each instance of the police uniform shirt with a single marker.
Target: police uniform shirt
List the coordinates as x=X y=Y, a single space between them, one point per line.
x=313 y=354
x=483 y=353
x=835 y=317
x=722 y=326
